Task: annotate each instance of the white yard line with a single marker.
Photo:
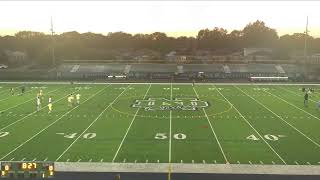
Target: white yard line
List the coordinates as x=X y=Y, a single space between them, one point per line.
x=110 y=104
x=170 y=127
x=212 y=129
x=251 y=126
x=27 y=101
x=19 y=94
x=295 y=93
x=292 y=105
x=8 y=88
x=32 y=113
x=280 y=118
x=49 y=126
x=124 y=137
x=208 y=83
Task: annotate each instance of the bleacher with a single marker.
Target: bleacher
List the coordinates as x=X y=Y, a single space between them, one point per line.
x=179 y=71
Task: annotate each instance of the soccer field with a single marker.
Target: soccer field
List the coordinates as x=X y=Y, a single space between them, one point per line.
x=161 y=123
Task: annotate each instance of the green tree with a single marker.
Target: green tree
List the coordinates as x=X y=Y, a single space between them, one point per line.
x=257 y=34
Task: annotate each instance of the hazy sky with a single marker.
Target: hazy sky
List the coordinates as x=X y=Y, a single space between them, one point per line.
x=173 y=17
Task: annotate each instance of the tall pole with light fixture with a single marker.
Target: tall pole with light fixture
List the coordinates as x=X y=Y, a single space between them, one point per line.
x=52 y=45
x=305 y=41
x=305 y=48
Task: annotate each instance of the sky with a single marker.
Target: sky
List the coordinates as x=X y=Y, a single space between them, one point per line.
x=176 y=18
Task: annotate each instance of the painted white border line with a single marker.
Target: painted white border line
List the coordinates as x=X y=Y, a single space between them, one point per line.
x=165 y=83
x=188 y=168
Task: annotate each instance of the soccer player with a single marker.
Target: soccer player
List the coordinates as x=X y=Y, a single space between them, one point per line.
x=12 y=91
x=306 y=97
x=50 y=105
x=22 y=90
x=41 y=93
x=70 y=98
x=38 y=103
x=78 y=98
x=50 y=108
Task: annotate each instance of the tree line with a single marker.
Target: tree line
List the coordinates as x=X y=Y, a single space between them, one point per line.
x=87 y=46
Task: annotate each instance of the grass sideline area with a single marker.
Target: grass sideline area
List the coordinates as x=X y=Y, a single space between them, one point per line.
x=234 y=125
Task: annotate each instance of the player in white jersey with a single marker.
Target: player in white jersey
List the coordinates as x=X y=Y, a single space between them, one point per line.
x=41 y=92
x=78 y=98
x=70 y=100
x=50 y=104
x=38 y=103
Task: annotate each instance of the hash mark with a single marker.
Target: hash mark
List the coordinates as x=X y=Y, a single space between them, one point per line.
x=203 y=161
x=68 y=160
x=250 y=162
x=11 y=159
x=192 y=161
x=215 y=161
x=308 y=163
x=261 y=162
x=238 y=162
x=90 y=160
x=124 y=160
x=273 y=162
x=34 y=159
x=101 y=160
x=45 y=159
x=79 y=160
x=135 y=161
x=23 y=159
x=296 y=163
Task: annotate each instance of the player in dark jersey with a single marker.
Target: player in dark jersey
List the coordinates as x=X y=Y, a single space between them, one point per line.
x=306 y=97
x=23 y=90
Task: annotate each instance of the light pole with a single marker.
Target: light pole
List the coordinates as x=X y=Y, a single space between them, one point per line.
x=305 y=41
x=52 y=45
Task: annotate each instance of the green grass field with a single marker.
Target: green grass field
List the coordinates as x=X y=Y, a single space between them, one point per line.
x=161 y=123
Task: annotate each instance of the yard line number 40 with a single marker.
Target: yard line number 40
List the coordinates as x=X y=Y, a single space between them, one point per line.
x=269 y=137
x=73 y=135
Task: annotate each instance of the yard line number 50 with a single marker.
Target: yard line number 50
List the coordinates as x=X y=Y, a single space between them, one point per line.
x=178 y=136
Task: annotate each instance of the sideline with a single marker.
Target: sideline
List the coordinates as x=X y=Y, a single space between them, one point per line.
x=188 y=168
x=168 y=83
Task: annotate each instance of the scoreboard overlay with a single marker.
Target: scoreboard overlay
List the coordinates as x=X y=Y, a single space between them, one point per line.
x=21 y=170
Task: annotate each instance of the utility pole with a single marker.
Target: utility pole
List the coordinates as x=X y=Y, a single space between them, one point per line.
x=52 y=45
x=305 y=48
x=305 y=41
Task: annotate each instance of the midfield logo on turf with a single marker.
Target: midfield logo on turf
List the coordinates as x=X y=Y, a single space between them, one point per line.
x=188 y=104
